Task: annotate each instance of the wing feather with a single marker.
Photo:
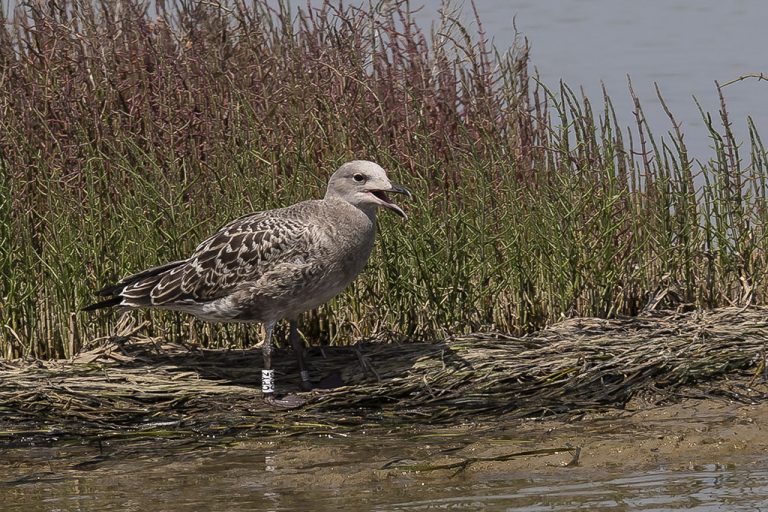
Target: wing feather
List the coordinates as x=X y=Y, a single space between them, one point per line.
x=239 y=253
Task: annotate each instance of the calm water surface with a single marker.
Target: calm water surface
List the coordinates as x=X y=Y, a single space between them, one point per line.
x=683 y=45
x=345 y=473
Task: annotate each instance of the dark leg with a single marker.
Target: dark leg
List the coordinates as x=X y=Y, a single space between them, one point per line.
x=268 y=376
x=298 y=349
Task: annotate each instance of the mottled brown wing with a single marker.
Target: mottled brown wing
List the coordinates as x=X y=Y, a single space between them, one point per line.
x=239 y=253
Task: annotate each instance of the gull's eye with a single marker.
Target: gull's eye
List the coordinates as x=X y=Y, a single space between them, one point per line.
x=358 y=178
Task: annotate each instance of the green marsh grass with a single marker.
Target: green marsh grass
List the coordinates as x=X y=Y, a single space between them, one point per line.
x=127 y=136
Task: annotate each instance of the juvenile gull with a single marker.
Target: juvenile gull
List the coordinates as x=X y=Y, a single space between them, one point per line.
x=271 y=265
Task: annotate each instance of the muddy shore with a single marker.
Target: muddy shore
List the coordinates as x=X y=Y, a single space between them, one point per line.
x=585 y=401
x=686 y=434
x=681 y=376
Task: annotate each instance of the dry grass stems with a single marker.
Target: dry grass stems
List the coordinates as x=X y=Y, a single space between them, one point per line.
x=142 y=386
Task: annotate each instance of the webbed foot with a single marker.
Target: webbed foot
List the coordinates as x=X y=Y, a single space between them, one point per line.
x=285 y=402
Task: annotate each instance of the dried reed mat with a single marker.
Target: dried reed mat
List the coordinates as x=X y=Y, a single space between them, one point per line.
x=139 y=386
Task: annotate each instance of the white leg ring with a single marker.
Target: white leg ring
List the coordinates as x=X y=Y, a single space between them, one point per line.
x=267 y=381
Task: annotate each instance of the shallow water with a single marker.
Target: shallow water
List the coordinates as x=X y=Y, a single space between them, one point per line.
x=706 y=488
x=363 y=471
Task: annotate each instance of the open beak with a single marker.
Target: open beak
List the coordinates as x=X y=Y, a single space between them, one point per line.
x=386 y=202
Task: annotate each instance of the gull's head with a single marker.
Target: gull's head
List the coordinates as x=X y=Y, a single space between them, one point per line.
x=365 y=185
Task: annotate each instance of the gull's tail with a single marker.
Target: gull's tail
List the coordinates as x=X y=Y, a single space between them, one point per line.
x=133 y=291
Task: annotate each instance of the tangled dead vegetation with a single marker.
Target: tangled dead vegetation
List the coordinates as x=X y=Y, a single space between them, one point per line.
x=139 y=386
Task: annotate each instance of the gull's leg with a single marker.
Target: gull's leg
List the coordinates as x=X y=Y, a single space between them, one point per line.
x=267 y=373
x=268 y=376
x=298 y=348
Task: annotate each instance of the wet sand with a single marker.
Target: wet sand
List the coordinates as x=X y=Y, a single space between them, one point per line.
x=685 y=434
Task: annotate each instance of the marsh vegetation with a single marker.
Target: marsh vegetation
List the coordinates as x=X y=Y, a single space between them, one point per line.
x=127 y=135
